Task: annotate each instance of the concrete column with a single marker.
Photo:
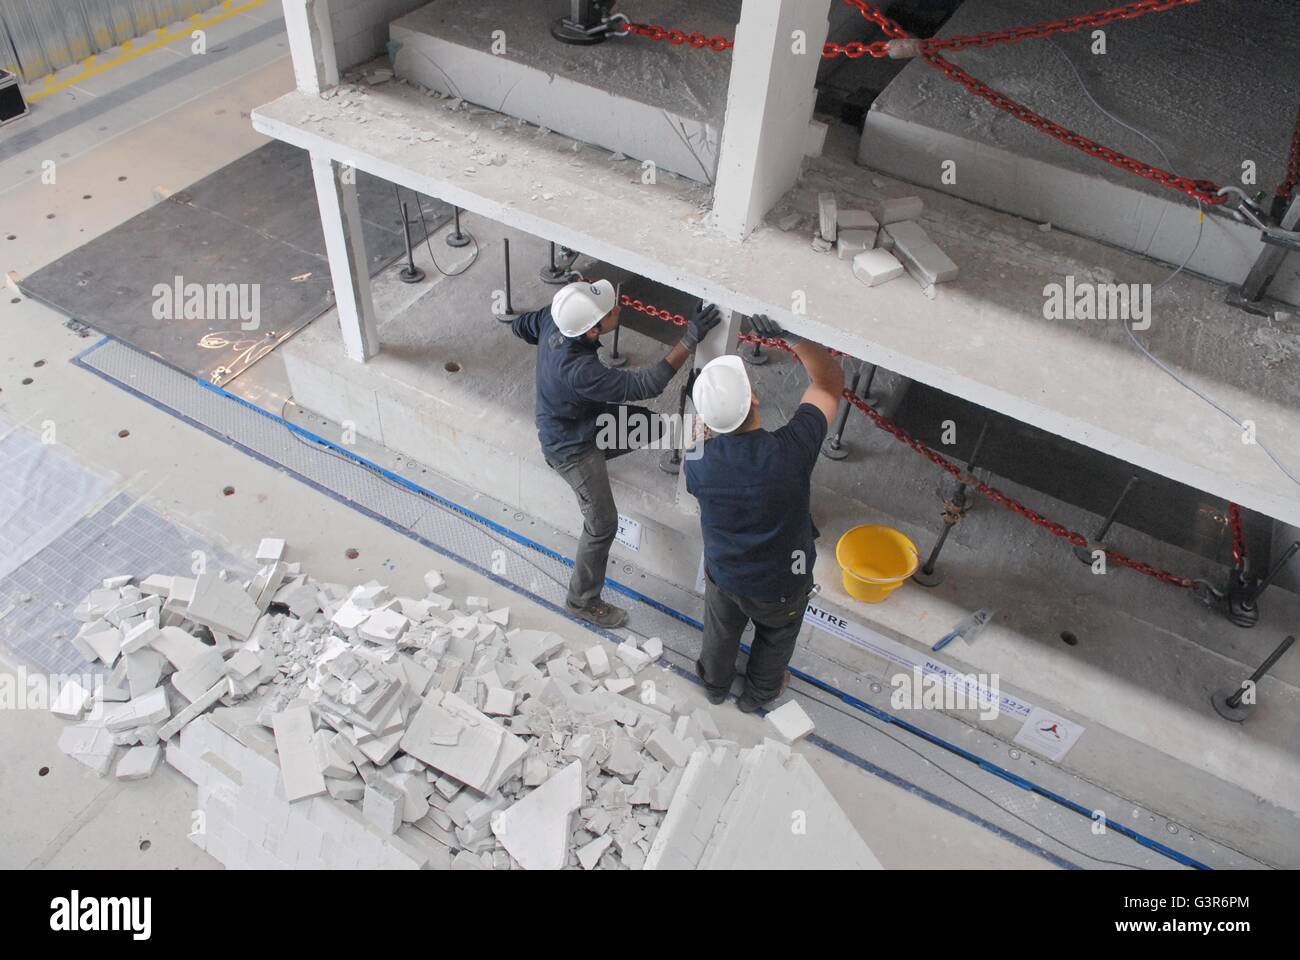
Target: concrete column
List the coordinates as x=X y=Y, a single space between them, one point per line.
x=770 y=101
x=311 y=44
x=340 y=219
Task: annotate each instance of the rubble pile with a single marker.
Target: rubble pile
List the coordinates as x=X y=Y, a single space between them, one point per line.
x=342 y=727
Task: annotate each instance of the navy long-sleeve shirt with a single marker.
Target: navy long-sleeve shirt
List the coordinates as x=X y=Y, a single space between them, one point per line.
x=574 y=387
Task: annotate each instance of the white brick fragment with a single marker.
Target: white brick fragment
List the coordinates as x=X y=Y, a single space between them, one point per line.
x=900 y=208
x=827 y=216
x=874 y=267
x=270 y=550
x=71 y=701
x=919 y=254
x=790 y=721
x=293 y=742
x=138 y=763
x=597 y=660
x=535 y=830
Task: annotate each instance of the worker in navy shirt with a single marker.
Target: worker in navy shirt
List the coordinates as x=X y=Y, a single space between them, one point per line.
x=753 y=487
x=578 y=400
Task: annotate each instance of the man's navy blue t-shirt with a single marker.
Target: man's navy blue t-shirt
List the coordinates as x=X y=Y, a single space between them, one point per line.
x=754 y=492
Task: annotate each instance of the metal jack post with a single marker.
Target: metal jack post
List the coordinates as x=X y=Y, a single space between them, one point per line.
x=671 y=460
x=1085 y=553
x=611 y=357
x=755 y=357
x=953 y=511
x=554 y=273
x=1234 y=706
x=409 y=273
x=456 y=238
x=833 y=447
x=588 y=22
x=509 y=307
x=1244 y=590
x=1277 y=241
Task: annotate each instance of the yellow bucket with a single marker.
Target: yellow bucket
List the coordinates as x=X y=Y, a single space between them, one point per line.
x=875 y=561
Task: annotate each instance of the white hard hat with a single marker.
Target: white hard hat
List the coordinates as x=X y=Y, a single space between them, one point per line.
x=580 y=306
x=722 y=394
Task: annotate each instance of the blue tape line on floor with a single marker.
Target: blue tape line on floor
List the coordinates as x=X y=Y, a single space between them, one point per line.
x=845 y=697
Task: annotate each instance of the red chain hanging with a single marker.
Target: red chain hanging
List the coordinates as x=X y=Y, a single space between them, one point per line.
x=904 y=44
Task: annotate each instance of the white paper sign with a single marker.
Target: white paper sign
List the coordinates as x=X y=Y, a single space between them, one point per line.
x=863 y=636
x=629 y=532
x=1048 y=735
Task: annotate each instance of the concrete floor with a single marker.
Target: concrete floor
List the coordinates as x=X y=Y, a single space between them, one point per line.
x=67 y=817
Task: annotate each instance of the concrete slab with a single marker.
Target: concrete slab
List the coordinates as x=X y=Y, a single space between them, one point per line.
x=1190 y=79
x=1075 y=379
x=651 y=101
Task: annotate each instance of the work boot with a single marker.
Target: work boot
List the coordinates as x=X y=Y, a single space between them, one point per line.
x=747 y=704
x=600 y=613
x=715 y=696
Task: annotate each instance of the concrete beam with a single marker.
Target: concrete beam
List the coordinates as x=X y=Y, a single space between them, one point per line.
x=769 y=104
x=1071 y=379
x=311 y=44
x=340 y=218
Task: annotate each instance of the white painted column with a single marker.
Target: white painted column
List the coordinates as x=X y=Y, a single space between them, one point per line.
x=770 y=101
x=345 y=245
x=311 y=44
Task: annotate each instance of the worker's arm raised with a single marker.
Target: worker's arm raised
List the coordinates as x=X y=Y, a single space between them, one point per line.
x=827 y=378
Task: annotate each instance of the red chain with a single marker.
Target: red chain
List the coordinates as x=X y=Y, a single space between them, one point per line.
x=1098 y=18
x=1238 y=535
x=993 y=493
x=1207 y=191
x=1287 y=187
x=652 y=31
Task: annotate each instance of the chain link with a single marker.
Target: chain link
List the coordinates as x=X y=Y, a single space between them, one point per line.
x=1238 y=535
x=1287 y=187
x=1206 y=191
x=987 y=490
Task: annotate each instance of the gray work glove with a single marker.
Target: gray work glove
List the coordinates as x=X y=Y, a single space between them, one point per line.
x=706 y=317
x=770 y=328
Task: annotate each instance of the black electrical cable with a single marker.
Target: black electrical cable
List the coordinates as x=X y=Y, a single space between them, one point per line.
x=424 y=223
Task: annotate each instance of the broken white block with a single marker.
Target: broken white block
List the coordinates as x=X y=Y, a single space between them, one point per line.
x=630 y=655
x=294 y=743
x=270 y=550
x=874 y=267
x=138 y=763
x=144 y=670
x=222 y=606
x=597 y=660
x=500 y=702
x=790 y=721
x=653 y=648
x=899 y=209
x=852 y=242
x=180 y=648
x=535 y=830
x=150 y=708
x=196 y=707
x=589 y=854
x=383 y=805
x=71 y=701
x=827 y=216
x=433 y=581
x=205 y=670
x=619 y=684
x=919 y=254
x=667 y=749
x=384 y=625
x=88 y=743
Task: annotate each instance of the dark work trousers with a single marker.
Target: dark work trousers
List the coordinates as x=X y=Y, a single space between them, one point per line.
x=776 y=627
x=588 y=476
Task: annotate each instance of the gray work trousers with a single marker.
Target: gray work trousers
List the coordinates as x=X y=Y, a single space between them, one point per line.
x=776 y=627
x=588 y=477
